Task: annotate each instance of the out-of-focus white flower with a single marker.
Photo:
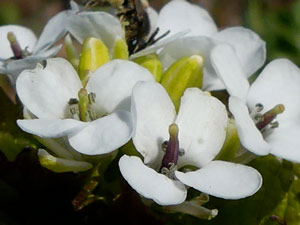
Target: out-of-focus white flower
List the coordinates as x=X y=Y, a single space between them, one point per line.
x=203 y=36
x=51 y=93
x=199 y=130
x=256 y=108
x=27 y=50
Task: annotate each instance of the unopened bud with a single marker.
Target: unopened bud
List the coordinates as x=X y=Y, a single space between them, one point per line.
x=94 y=54
x=153 y=64
x=185 y=73
x=120 y=50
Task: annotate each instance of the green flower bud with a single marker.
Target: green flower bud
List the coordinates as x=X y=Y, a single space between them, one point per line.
x=120 y=50
x=153 y=64
x=185 y=73
x=94 y=54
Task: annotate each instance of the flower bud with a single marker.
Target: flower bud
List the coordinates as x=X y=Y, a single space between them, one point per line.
x=185 y=73
x=120 y=50
x=94 y=54
x=153 y=64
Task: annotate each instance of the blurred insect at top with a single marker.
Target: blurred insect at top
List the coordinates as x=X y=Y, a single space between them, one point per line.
x=133 y=16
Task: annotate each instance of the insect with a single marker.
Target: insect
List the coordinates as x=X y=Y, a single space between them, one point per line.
x=133 y=15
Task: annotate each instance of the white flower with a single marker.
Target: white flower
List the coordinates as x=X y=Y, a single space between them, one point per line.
x=277 y=88
x=46 y=93
x=203 y=37
x=201 y=123
x=36 y=50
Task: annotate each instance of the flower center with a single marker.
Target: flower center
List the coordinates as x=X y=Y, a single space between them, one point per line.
x=263 y=120
x=15 y=47
x=172 y=152
x=80 y=108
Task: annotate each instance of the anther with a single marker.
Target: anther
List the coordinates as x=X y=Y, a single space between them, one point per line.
x=259 y=107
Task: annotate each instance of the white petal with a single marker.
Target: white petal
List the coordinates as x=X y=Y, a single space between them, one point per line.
x=248 y=46
x=103 y=135
x=59 y=165
x=50 y=128
x=53 y=31
x=95 y=24
x=223 y=179
x=279 y=83
x=153 y=112
x=151 y=184
x=158 y=45
x=285 y=141
x=113 y=82
x=179 y=15
x=202 y=122
x=250 y=137
x=227 y=66
x=46 y=91
x=24 y=36
x=187 y=46
x=15 y=67
x=152 y=15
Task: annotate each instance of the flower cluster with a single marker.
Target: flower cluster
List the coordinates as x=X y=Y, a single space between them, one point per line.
x=152 y=87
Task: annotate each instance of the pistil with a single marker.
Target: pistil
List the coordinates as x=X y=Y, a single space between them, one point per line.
x=268 y=117
x=172 y=150
x=14 y=44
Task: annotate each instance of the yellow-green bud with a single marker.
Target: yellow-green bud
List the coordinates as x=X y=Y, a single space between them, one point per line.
x=153 y=64
x=120 y=50
x=231 y=144
x=184 y=73
x=94 y=54
x=72 y=54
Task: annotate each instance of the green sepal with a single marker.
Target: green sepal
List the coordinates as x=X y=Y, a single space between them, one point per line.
x=60 y=165
x=185 y=73
x=231 y=144
x=120 y=50
x=153 y=64
x=72 y=54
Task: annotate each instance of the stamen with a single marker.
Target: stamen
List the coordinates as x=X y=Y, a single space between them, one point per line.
x=269 y=116
x=14 y=44
x=164 y=146
x=172 y=151
x=259 y=107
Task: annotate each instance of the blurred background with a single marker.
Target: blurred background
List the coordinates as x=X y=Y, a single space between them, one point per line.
x=276 y=21
x=30 y=194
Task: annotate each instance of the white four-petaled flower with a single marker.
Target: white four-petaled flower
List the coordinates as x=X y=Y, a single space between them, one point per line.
x=46 y=93
x=202 y=121
x=278 y=84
